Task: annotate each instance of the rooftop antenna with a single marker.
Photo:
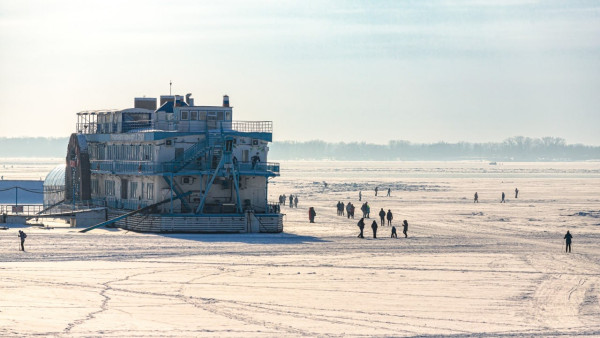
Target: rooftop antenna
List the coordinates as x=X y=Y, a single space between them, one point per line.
x=170 y=84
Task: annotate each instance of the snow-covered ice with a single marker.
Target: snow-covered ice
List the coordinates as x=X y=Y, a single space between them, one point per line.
x=466 y=269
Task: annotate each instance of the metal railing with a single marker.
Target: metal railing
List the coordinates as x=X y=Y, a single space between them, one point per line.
x=252 y=126
x=93 y=127
x=21 y=209
x=112 y=202
x=271 y=167
x=140 y=167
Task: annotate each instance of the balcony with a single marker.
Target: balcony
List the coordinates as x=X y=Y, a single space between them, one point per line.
x=112 y=202
x=252 y=126
x=92 y=126
x=151 y=168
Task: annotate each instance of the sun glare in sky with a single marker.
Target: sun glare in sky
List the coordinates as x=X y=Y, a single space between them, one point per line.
x=422 y=71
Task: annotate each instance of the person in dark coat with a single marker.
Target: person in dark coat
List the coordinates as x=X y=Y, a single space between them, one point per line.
x=22 y=236
x=374 y=227
x=390 y=217
x=360 y=196
x=361 y=226
x=255 y=159
x=476 y=198
x=389 y=191
x=291 y=201
x=382 y=216
x=405 y=230
x=503 y=198
x=296 y=201
x=394 y=234
x=516 y=192
x=568 y=238
x=311 y=214
x=376 y=190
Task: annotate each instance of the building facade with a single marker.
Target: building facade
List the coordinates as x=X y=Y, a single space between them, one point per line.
x=201 y=164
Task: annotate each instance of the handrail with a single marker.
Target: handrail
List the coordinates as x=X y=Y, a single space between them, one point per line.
x=95 y=127
x=144 y=167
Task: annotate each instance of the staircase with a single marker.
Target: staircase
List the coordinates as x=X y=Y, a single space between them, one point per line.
x=190 y=154
x=185 y=207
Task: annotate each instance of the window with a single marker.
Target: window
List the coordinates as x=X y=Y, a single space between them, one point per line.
x=184 y=115
x=146 y=152
x=202 y=116
x=194 y=115
x=95 y=186
x=150 y=191
x=220 y=116
x=227 y=116
x=133 y=194
x=109 y=188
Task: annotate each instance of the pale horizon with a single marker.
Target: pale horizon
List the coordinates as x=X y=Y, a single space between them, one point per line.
x=340 y=71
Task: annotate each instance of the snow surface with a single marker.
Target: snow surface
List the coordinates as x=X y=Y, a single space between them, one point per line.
x=466 y=269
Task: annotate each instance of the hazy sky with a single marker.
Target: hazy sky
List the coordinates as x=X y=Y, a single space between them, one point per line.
x=423 y=71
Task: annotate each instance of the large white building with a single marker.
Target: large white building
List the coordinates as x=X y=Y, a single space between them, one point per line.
x=212 y=171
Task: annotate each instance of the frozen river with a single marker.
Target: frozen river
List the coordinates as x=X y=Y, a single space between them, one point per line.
x=466 y=269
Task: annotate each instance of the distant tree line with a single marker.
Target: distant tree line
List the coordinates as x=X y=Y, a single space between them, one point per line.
x=33 y=146
x=516 y=148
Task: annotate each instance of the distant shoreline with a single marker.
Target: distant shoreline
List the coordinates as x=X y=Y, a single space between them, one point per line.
x=513 y=149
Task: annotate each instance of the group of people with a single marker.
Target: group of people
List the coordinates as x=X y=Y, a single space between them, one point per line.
x=502 y=199
x=293 y=200
x=348 y=209
x=389 y=191
x=383 y=215
x=341 y=208
x=374 y=226
x=366 y=210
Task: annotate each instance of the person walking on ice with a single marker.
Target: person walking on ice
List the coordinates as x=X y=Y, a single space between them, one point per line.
x=22 y=235
x=361 y=226
x=405 y=230
x=311 y=214
x=382 y=216
x=503 y=201
x=374 y=227
x=360 y=196
x=516 y=192
x=389 y=192
x=568 y=238
x=394 y=234
x=476 y=198
x=389 y=217
x=376 y=189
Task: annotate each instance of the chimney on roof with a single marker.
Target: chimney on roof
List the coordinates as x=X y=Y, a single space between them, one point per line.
x=188 y=99
x=225 y=100
x=145 y=103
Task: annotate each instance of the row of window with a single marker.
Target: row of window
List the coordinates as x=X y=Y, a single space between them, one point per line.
x=203 y=116
x=138 y=152
x=146 y=191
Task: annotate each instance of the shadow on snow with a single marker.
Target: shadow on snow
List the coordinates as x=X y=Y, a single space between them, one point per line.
x=249 y=238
